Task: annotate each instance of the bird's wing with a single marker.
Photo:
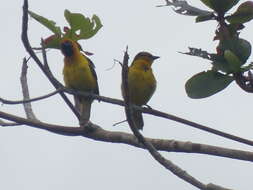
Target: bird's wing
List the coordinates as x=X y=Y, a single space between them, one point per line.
x=92 y=68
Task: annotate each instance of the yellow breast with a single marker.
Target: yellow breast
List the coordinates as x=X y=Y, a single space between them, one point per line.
x=77 y=74
x=142 y=85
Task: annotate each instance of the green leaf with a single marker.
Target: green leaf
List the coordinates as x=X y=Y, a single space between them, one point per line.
x=206 y=17
x=81 y=27
x=240 y=47
x=206 y=84
x=220 y=64
x=220 y=6
x=233 y=61
x=51 y=25
x=243 y=14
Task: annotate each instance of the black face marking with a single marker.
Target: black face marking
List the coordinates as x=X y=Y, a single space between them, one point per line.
x=67 y=49
x=155 y=57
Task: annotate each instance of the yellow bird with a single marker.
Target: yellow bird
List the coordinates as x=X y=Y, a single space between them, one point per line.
x=141 y=83
x=79 y=74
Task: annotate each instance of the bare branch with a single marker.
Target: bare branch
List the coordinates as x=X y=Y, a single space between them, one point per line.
x=29 y=49
x=25 y=91
x=100 y=134
x=182 y=7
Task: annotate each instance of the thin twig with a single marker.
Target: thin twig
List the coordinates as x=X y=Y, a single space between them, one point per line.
x=114 y=63
x=149 y=146
x=23 y=79
x=8 y=124
x=5 y=101
x=44 y=56
x=29 y=49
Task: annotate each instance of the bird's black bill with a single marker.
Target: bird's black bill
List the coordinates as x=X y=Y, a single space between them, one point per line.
x=155 y=57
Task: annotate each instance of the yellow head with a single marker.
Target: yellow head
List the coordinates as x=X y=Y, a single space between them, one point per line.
x=146 y=56
x=144 y=60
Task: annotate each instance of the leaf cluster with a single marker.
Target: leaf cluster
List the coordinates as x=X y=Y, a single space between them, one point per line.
x=231 y=53
x=80 y=27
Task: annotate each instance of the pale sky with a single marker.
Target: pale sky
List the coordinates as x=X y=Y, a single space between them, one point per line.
x=37 y=159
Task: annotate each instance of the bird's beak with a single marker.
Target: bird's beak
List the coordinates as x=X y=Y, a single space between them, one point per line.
x=155 y=57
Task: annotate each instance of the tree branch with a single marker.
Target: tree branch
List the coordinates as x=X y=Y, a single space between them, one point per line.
x=25 y=91
x=13 y=102
x=100 y=134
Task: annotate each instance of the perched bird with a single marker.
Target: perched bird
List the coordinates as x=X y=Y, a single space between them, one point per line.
x=141 y=83
x=79 y=74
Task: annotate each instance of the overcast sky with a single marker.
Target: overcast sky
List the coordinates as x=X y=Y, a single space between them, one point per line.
x=37 y=159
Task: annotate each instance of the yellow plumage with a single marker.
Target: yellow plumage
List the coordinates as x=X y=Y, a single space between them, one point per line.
x=79 y=74
x=141 y=83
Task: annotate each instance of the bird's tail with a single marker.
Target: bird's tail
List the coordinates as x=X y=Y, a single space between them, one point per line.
x=84 y=108
x=138 y=119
